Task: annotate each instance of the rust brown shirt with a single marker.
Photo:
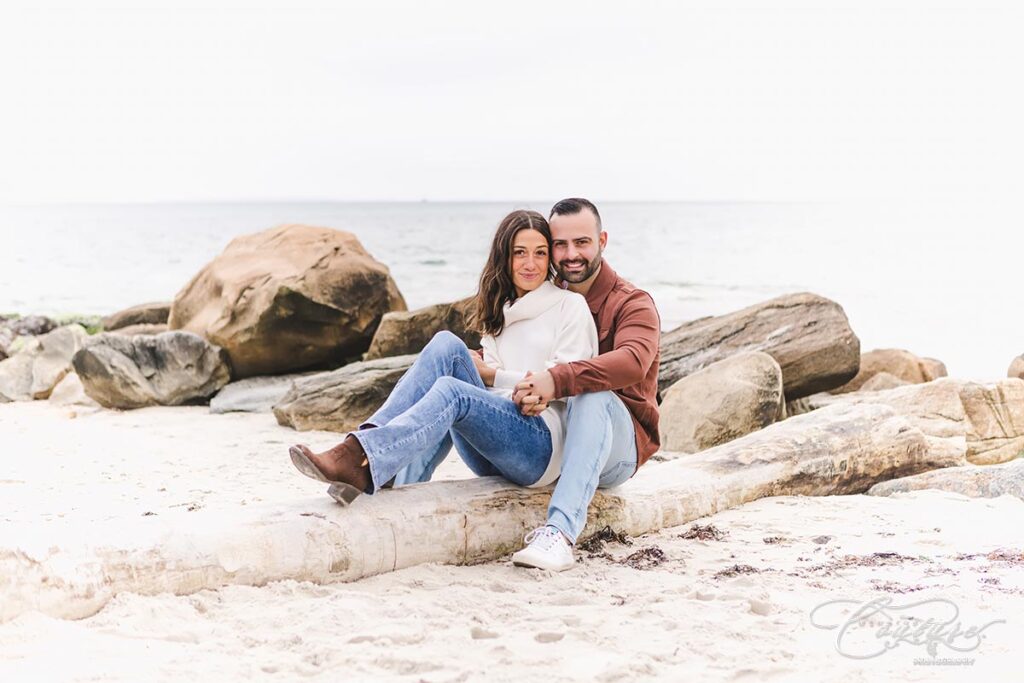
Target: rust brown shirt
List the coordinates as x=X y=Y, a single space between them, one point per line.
x=629 y=334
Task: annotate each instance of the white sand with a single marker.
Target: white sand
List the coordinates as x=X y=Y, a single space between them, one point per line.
x=600 y=621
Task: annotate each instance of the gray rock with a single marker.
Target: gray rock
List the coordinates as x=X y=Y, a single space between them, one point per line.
x=405 y=332
x=807 y=335
x=13 y=327
x=16 y=378
x=722 y=402
x=53 y=361
x=976 y=481
x=342 y=399
x=173 y=368
x=41 y=362
x=30 y=325
x=253 y=395
x=143 y=314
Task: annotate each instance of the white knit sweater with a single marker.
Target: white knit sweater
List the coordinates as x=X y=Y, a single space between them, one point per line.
x=545 y=327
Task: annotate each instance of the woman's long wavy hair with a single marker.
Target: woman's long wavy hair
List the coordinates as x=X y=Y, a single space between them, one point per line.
x=496 y=287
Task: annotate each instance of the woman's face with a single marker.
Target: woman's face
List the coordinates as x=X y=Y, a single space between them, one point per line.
x=530 y=261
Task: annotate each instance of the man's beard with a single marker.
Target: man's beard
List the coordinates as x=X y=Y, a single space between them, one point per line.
x=589 y=268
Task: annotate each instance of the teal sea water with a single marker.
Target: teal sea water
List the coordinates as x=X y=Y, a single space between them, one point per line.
x=942 y=281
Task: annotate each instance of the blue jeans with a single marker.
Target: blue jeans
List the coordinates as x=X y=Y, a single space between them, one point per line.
x=599 y=452
x=441 y=401
x=600 y=443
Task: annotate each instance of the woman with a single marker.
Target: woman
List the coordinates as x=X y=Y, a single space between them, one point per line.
x=452 y=395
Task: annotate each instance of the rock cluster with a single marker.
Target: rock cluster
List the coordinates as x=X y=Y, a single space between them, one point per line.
x=40 y=364
x=890 y=368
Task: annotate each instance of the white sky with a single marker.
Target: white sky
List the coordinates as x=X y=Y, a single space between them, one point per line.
x=214 y=100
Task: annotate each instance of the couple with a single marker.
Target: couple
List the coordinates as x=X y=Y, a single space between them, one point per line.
x=564 y=389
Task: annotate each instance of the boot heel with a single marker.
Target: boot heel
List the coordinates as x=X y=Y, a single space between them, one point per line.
x=343 y=493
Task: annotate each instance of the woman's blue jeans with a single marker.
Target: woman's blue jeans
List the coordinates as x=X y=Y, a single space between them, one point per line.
x=439 y=401
x=493 y=437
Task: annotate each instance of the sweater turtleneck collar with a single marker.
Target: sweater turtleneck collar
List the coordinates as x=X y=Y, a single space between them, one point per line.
x=533 y=303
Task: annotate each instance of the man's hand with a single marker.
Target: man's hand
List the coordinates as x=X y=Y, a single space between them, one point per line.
x=487 y=373
x=533 y=394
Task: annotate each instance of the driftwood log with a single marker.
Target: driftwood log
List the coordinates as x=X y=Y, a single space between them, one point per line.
x=77 y=569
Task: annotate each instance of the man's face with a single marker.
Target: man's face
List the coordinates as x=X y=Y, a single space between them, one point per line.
x=576 y=245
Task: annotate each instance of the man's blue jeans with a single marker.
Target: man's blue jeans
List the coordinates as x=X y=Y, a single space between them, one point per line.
x=599 y=452
x=439 y=401
x=600 y=443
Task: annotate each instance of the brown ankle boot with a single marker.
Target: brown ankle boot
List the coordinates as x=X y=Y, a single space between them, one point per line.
x=345 y=463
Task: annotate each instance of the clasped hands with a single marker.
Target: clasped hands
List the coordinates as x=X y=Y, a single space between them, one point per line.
x=532 y=395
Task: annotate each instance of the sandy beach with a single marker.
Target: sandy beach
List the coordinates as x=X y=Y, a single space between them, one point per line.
x=731 y=602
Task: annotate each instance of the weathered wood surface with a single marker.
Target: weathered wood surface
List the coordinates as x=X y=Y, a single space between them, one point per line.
x=75 y=570
x=988 y=417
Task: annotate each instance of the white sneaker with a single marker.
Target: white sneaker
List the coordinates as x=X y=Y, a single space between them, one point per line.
x=546 y=548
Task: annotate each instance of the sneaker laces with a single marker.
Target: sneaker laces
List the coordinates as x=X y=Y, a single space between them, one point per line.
x=545 y=536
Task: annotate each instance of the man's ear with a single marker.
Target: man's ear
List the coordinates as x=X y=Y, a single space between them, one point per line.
x=602 y=240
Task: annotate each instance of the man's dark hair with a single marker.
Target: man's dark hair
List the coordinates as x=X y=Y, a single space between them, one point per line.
x=572 y=206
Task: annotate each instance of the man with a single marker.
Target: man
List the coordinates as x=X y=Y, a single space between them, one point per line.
x=612 y=415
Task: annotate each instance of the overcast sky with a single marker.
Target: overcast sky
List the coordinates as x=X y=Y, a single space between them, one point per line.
x=215 y=100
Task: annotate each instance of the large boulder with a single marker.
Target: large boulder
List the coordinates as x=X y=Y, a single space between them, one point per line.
x=722 y=402
x=143 y=314
x=1016 y=367
x=976 y=481
x=404 y=332
x=40 y=365
x=807 y=335
x=342 y=399
x=897 y=363
x=288 y=298
x=170 y=369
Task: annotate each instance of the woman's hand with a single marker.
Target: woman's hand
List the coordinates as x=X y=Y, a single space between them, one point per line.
x=487 y=373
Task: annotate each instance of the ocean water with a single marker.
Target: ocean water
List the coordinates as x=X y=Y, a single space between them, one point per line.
x=940 y=280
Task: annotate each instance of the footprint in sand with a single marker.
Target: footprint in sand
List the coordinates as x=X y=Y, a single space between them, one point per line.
x=547 y=637
x=478 y=633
